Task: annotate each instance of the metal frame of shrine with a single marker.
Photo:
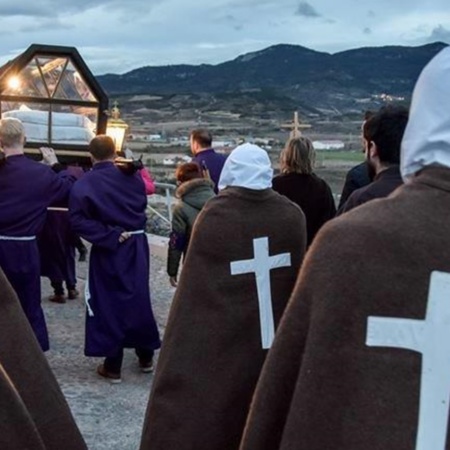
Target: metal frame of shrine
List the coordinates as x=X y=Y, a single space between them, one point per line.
x=48 y=84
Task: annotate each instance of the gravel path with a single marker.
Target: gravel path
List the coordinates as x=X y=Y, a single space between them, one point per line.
x=110 y=417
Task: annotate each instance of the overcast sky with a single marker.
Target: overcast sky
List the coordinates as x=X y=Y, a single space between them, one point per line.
x=119 y=35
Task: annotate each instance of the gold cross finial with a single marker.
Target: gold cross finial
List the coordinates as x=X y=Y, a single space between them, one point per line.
x=115 y=111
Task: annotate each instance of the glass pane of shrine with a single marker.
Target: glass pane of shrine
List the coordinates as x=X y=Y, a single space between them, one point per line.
x=73 y=125
x=73 y=87
x=28 y=82
x=52 y=69
x=34 y=116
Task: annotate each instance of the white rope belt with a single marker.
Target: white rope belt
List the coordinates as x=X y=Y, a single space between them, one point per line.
x=56 y=208
x=17 y=238
x=136 y=232
x=87 y=293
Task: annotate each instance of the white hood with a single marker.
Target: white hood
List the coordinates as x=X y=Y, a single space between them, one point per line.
x=426 y=141
x=247 y=166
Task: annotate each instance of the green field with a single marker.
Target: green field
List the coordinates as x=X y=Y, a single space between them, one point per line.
x=344 y=156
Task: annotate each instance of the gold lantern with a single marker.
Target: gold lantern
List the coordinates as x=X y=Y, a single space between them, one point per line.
x=116 y=127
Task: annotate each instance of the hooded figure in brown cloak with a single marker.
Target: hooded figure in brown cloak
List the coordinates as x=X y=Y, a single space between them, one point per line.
x=33 y=412
x=361 y=360
x=243 y=258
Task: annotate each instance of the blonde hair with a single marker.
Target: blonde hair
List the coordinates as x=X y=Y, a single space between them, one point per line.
x=298 y=156
x=12 y=132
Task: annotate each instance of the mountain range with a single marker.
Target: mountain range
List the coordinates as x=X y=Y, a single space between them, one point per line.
x=315 y=81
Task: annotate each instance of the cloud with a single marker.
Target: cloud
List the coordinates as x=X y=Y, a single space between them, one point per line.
x=117 y=36
x=32 y=10
x=60 y=8
x=440 y=34
x=304 y=9
x=46 y=24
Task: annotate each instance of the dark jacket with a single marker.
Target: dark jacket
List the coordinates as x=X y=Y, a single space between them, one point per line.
x=357 y=177
x=312 y=194
x=385 y=182
x=193 y=195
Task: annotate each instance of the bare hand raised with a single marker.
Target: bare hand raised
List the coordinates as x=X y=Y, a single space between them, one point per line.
x=49 y=156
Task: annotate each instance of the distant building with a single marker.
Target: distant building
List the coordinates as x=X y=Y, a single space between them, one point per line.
x=179 y=141
x=328 y=145
x=262 y=141
x=222 y=144
x=154 y=138
x=176 y=160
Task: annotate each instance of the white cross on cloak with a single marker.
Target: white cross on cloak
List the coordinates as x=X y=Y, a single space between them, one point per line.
x=261 y=266
x=431 y=337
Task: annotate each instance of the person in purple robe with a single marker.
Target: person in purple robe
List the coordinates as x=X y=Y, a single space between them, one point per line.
x=206 y=157
x=27 y=188
x=107 y=208
x=56 y=244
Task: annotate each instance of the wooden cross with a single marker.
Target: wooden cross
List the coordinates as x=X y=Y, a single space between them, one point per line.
x=295 y=126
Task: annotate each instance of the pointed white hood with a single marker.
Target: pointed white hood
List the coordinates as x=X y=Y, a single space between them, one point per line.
x=247 y=166
x=426 y=141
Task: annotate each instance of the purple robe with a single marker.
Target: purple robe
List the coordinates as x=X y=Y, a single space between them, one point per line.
x=27 y=188
x=212 y=162
x=103 y=204
x=56 y=244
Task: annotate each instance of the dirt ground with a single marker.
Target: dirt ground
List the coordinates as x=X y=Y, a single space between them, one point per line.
x=110 y=417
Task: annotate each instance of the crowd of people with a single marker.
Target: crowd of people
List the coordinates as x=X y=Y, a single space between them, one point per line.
x=292 y=326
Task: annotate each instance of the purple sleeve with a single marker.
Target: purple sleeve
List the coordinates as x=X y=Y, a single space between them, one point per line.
x=59 y=186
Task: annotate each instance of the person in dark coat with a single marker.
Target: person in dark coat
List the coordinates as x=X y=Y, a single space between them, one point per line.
x=210 y=162
x=356 y=178
x=34 y=414
x=193 y=192
x=301 y=185
x=240 y=269
x=361 y=357
x=27 y=188
x=360 y=175
x=107 y=208
x=383 y=134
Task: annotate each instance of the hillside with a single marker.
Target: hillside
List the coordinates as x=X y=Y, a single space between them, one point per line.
x=314 y=82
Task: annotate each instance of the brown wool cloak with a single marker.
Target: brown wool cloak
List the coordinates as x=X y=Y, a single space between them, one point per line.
x=37 y=390
x=212 y=352
x=322 y=387
x=17 y=430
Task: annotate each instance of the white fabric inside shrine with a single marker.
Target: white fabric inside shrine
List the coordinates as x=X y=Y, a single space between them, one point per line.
x=247 y=166
x=426 y=141
x=67 y=128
